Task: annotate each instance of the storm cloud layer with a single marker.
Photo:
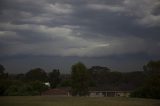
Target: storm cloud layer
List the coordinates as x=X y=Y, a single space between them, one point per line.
x=83 y=28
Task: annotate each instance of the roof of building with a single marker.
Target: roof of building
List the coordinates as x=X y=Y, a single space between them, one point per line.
x=56 y=91
x=108 y=89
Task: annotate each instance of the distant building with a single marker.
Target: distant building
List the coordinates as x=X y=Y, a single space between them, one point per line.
x=109 y=93
x=57 y=92
x=92 y=93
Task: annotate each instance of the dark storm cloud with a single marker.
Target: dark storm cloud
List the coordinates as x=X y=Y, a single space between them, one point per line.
x=82 y=28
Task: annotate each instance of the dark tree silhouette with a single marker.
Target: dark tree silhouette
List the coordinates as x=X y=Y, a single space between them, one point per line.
x=36 y=74
x=54 y=78
x=80 y=79
x=1 y=69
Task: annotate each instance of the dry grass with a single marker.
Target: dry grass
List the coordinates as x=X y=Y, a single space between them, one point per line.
x=75 y=101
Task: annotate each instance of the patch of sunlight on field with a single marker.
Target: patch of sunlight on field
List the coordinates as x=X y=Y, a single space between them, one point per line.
x=75 y=101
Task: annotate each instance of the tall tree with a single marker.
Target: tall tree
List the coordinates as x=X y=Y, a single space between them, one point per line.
x=1 y=69
x=54 y=78
x=80 y=79
x=36 y=74
x=3 y=75
x=151 y=88
x=152 y=67
x=99 y=74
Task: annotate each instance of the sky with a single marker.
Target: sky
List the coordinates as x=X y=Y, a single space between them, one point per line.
x=55 y=34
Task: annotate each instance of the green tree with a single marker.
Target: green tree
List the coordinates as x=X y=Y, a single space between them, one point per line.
x=151 y=88
x=66 y=83
x=38 y=87
x=36 y=74
x=152 y=67
x=80 y=79
x=54 y=78
x=3 y=75
x=1 y=69
x=20 y=77
x=99 y=75
x=19 y=88
x=4 y=85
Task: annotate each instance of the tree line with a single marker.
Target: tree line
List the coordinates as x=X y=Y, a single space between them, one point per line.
x=145 y=84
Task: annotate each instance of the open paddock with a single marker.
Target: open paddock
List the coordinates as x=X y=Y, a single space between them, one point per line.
x=75 y=101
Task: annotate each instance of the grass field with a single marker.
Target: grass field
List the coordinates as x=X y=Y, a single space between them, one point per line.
x=75 y=101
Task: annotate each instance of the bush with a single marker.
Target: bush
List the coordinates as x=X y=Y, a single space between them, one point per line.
x=18 y=88
x=150 y=90
x=4 y=85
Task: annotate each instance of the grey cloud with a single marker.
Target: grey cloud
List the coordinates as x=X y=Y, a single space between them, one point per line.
x=143 y=10
x=79 y=28
x=68 y=44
